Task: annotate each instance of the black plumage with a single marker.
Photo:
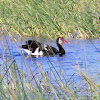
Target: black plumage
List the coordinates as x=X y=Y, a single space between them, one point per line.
x=46 y=50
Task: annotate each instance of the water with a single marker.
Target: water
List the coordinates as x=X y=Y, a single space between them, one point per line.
x=79 y=53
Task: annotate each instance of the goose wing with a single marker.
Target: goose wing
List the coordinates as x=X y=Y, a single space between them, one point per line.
x=49 y=49
x=46 y=49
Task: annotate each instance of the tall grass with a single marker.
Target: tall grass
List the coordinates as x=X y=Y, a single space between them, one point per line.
x=50 y=18
x=15 y=85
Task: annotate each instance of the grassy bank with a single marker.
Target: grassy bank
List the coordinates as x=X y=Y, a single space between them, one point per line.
x=50 y=18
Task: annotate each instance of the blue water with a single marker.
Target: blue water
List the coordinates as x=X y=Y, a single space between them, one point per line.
x=79 y=53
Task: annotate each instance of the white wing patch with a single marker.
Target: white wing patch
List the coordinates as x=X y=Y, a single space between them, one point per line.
x=28 y=51
x=36 y=52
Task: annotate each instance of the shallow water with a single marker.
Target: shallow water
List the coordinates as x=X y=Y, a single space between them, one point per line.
x=84 y=54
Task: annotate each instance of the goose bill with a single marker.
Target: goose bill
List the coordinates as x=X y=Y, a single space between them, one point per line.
x=64 y=41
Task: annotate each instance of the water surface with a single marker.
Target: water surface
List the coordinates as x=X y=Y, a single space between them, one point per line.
x=84 y=54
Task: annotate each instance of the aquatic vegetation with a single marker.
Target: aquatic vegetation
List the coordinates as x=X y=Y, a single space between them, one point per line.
x=50 y=18
x=14 y=84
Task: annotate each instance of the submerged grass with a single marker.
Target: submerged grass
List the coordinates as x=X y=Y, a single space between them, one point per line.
x=50 y=18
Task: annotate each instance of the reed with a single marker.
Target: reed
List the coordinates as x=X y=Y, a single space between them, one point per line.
x=48 y=19
x=17 y=85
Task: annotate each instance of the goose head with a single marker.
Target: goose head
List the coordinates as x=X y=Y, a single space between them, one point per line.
x=59 y=41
